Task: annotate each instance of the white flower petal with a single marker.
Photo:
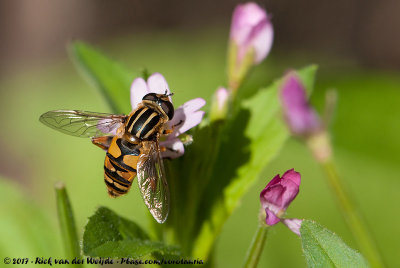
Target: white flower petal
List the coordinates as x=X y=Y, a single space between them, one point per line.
x=191 y=120
x=174 y=148
x=294 y=225
x=262 y=42
x=138 y=90
x=186 y=109
x=245 y=17
x=187 y=116
x=178 y=119
x=157 y=84
x=193 y=105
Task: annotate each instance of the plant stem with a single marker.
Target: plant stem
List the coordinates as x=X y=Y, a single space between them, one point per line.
x=256 y=246
x=67 y=223
x=352 y=216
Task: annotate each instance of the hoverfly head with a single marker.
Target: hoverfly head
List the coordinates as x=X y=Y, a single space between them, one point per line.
x=162 y=101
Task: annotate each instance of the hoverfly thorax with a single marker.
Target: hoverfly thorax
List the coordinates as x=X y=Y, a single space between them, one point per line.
x=147 y=121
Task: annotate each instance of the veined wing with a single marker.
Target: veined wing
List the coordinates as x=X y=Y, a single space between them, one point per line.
x=152 y=181
x=83 y=124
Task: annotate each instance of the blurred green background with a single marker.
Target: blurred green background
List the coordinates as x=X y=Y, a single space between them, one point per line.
x=191 y=55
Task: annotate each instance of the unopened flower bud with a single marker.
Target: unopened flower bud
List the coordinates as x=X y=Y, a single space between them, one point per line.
x=300 y=117
x=219 y=106
x=251 y=39
x=278 y=194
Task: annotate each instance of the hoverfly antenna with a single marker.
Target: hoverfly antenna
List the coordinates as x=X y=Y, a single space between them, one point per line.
x=168 y=95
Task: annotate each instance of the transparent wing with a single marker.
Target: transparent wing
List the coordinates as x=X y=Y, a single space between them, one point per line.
x=152 y=182
x=81 y=123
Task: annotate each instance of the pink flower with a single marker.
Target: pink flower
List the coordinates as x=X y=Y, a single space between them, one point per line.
x=251 y=29
x=278 y=194
x=185 y=117
x=300 y=116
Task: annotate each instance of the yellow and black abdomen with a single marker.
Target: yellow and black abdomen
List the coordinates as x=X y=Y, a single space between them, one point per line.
x=120 y=166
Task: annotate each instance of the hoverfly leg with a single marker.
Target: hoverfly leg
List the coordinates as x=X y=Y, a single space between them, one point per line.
x=168 y=131
x=102 y=142
x=177 y=124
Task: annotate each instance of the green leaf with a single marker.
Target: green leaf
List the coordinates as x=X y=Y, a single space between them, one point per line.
x=323 y=248
x=67 y=222
x=108 y=235
x=25 y=228
x=225 y=159
x=253 y=137
x=109 y=77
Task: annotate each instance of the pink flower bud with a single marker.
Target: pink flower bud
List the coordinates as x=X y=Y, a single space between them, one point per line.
x=219 y=106
x=278 y=194
x=222 y=96
x=300 y=116
x=251 y=29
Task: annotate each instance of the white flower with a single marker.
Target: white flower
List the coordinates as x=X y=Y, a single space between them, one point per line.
x=185 y=117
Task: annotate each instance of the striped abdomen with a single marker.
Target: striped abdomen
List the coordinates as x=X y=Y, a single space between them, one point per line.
x=120 y=166
x=144 y=122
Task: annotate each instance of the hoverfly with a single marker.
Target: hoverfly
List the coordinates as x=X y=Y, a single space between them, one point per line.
x=132 y=145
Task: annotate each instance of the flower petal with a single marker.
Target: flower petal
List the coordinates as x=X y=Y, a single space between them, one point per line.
x=262 y=41
x=275 y=180
x=272 y=196
x=252 y=29
x=271 y=218
x=187 y=116
x=157 y=84
x=245 y=17
x=190 y=121
x=290 y=193
x=138 y=90
x=293 y=176
x=294 y=225
x=266 y=196
x=174 y=148
x=193 y=105
x=300 y=116
x=280 y=192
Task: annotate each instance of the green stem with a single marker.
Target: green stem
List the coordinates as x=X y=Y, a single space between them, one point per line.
x=238 y=70
x=256 y=246
x=352 y=216
x=67 y=223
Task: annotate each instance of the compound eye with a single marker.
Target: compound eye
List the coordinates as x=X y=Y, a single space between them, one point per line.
x=150 y=97
x=168 y=108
